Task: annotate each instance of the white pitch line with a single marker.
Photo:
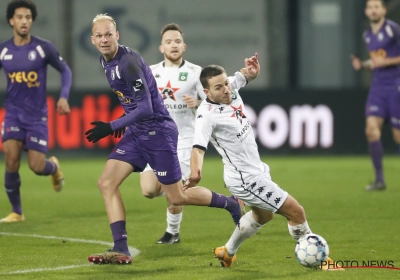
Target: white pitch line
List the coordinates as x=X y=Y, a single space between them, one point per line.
x=134 y=252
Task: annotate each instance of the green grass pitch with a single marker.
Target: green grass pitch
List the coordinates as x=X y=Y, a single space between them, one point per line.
x=358 y=225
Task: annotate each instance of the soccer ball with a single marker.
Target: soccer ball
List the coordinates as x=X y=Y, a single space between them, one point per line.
x=311 y=250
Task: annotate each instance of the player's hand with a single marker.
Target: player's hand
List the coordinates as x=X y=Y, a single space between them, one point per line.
x=192 y=181
x=63 y=107
x=190 y=101
x=356 y=62
x=99 y=131
x=253 y=67
x=378 y=62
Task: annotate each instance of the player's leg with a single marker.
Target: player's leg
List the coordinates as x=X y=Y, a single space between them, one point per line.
x=12 y=152
x=149 y=183
x=376 y=112
x=113 y=175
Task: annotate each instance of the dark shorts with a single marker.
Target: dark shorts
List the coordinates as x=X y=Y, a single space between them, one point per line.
x=385 y=105
x=34 y=135
x=158 y=150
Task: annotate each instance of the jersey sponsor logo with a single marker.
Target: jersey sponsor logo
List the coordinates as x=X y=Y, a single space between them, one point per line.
x=122 y=97
x=378 y=53
x=30 y=78
x=168 y=91
x=138 y=85
x=238 y=113
x=183 y=76
x=32 y=55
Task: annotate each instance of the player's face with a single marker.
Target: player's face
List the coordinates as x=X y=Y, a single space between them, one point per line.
x=220 y=89
x=172 y=45
x=22 y=21
x=375 y=11
x=105 y=38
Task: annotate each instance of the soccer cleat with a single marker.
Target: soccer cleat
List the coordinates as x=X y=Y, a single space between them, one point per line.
x=330 y=265
x=13 y=218
x=376 y=186
x=221 y=253
x=169 y=238
x=57 y=179
x=110 y=257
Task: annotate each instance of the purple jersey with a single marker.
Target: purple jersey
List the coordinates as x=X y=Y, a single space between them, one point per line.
x=26 y=72
x=384 y=43
x=132 y=80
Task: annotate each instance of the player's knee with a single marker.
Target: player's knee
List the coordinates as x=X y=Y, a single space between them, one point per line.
x=373 y=133
x=150 y=191
x=177 y=200
x=36 y=168
x=149 y=194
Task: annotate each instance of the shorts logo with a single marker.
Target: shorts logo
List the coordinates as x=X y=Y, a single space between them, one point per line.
x=122 y=152
x=183 y=76
x=12 y=129
x=138 y=85
x=42 y=142
x=33 y=139
x=160 y=173
x=32 y=55
x=373 y=108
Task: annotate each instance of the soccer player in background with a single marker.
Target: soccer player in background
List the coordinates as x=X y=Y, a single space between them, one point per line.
x=151 y=137
x=179 y=85
x=383 y=102
x=25 y=58
x=221 y=119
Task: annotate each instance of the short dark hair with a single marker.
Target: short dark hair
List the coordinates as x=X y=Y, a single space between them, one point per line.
x=382 y=1
x=209 y=72
x=15 y=4
x=171 y=26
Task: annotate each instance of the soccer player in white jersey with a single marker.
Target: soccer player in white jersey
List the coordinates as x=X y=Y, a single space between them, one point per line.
x=179 y=84
x=222 y=119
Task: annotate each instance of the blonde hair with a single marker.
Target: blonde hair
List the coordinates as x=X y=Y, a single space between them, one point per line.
x=101 y=17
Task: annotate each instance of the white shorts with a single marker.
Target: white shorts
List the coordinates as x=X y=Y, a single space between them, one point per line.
x=184 y=162
x=261 y=193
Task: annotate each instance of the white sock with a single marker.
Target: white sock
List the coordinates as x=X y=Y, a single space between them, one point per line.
x=173 y=222
x=248 y=227
x=299 y=231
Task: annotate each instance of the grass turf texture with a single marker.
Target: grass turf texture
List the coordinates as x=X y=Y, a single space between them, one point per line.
x=357 y=225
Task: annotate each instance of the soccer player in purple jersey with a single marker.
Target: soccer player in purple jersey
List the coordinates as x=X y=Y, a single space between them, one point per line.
x=383 y=103
x=25 y=58
x=151 y=137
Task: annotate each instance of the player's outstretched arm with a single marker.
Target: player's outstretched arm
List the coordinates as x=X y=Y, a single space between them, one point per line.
x=196 y=166
x=63 y=106
x=252 y=68
x=358 y=64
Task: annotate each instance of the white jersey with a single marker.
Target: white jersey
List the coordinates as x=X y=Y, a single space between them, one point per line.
x=230 y=131
x=173 y=83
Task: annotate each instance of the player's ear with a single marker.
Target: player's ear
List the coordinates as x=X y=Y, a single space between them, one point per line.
x=92 y=37
x=117 y=35
x=11 y=22
x=184 y=47
x=160 y=47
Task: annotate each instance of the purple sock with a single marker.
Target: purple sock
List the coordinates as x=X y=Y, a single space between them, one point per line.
x=226 y=202
x=49 y=168
x=376 y=151
x=120 y=237
x=12 y=182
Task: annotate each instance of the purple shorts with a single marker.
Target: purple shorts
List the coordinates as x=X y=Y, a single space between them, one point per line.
x=385 y=105
x=155 y=148
x=34 y=135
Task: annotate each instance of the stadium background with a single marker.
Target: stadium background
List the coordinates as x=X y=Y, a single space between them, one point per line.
x=307 y=99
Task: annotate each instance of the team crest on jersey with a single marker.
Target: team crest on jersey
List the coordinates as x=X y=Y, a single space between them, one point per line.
x=32 y=55
x=112 y=75
x=168 y=91
x=238 y=113
x=183 y=76
x=234 y=96
x=380 y=36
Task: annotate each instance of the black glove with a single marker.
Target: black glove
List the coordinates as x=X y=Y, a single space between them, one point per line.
x=119 y=132
x=98 y=132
